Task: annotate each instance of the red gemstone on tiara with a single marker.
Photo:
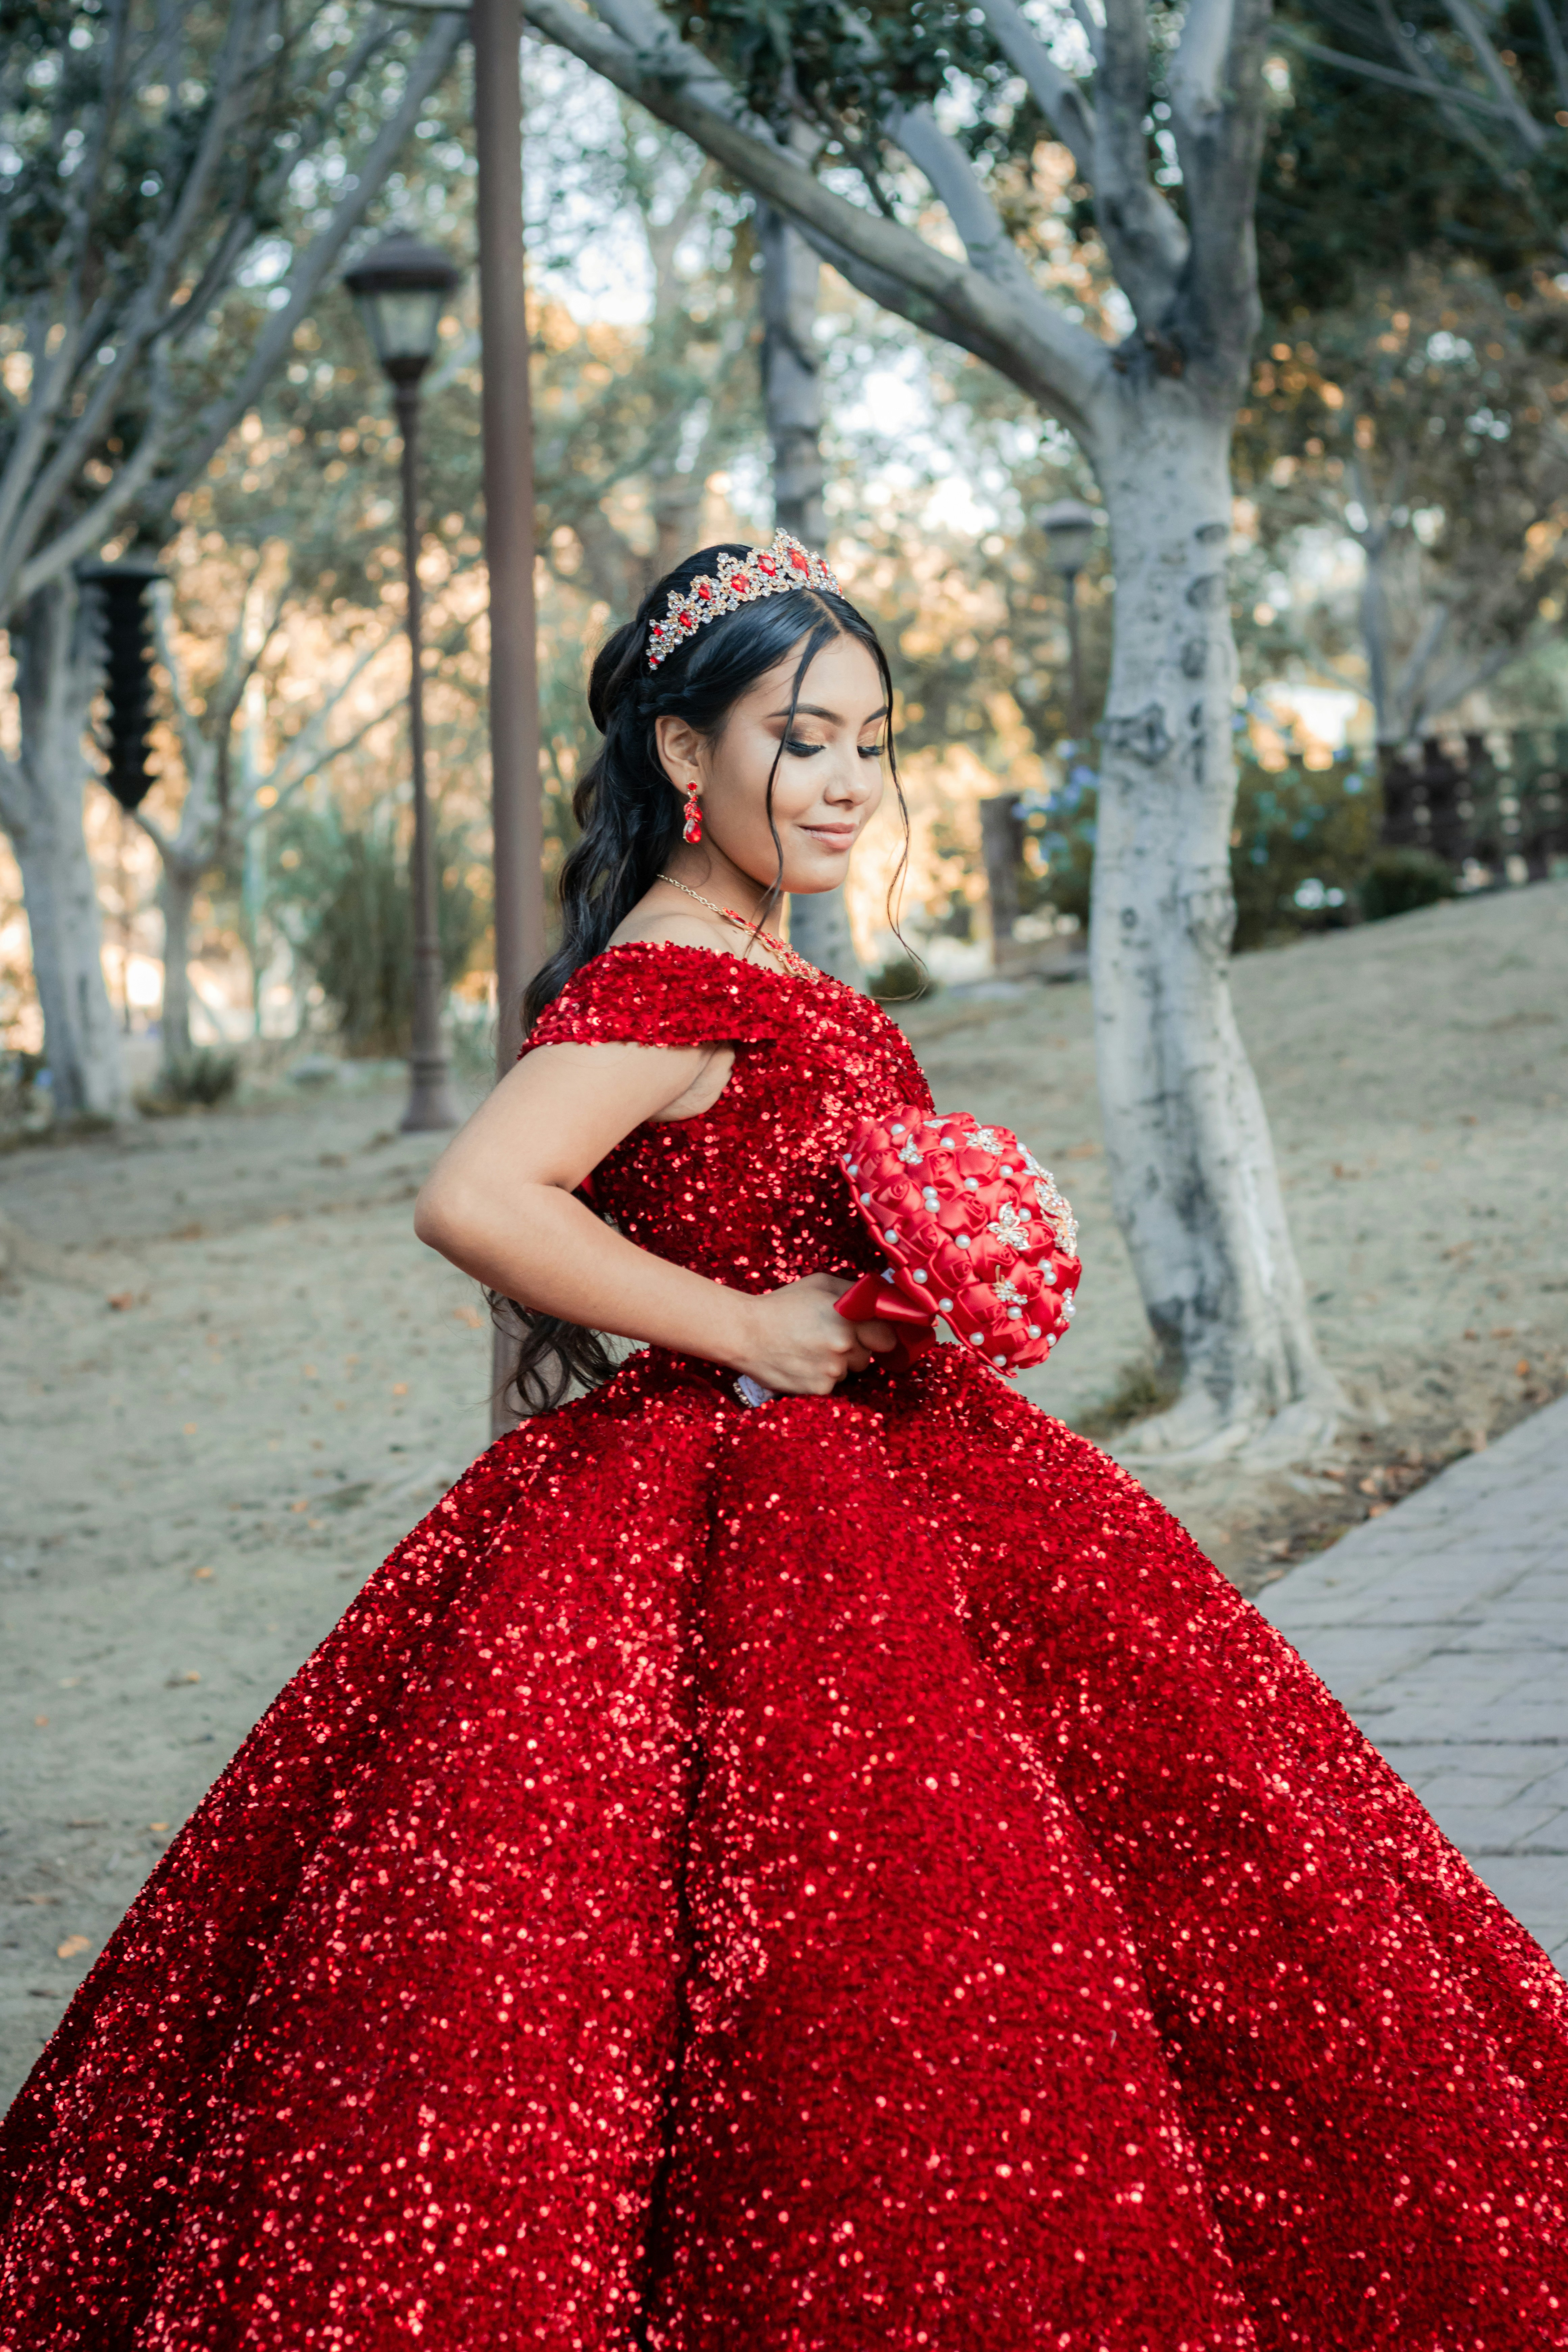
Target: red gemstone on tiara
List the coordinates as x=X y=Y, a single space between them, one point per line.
x=800 y=560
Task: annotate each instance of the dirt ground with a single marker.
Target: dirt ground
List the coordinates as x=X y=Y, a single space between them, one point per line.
x=231 y=1378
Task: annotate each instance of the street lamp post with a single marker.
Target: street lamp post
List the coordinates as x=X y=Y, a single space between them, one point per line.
x=400 y=290
x=1070 y=527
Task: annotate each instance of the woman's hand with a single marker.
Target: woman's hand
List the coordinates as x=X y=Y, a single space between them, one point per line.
x=797 y=1344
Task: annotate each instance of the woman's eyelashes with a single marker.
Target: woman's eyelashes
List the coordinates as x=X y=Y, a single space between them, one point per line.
x=798 y=748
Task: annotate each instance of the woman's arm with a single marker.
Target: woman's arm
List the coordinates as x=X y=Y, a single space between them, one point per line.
x=498 y=1204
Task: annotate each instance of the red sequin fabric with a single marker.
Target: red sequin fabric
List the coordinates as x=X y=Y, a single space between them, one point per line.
x=848 y=1874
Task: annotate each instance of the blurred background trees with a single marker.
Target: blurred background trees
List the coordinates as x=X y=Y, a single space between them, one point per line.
x=1398 y=564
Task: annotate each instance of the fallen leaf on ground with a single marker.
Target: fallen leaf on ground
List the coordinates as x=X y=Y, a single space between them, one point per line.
x=1523 y=1367
x=120 y=1300
x=175 y=1681
x=72 y=1946
x=399 y=1387
x=200 y=1575
x=470 y=1316
x=162 y=1827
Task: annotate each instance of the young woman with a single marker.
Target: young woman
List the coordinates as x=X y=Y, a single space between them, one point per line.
x=833 y=1872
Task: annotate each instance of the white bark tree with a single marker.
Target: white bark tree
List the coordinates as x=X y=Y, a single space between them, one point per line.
x=1191 y=1161
x=57 y=669
x=152 y=154
x=792 y=404
x=215 y=821
x=1425 y=422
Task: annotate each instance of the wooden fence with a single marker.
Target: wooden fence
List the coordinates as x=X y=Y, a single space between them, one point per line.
x=1482 y=799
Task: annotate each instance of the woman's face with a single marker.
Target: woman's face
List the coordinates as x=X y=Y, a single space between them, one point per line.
x=828 y=783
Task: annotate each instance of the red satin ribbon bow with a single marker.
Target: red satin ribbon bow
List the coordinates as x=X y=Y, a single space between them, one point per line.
x=874 y=1296
x=974 y=1229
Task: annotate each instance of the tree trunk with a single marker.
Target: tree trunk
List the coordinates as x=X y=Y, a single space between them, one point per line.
x=1002 y=854
x=792 y=375
x=792 y=398
x=1192 y=1166
x=176 y=897
x=1375 y=634
x=41 y=807
x=819 y=928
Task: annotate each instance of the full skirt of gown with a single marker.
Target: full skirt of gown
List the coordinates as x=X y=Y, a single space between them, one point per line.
x=844 y=1875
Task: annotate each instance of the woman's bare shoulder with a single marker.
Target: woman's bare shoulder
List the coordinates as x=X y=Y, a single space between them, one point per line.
x=652 y=925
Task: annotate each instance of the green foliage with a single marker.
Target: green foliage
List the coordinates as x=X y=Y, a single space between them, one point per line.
x=1423 y=417
x=1300 y=840
x=1062 y=830
x=200 y=1079
x=901 y=980
x=159 y=169
x=343 y=896
x=1398 y=881
x=1339 y=146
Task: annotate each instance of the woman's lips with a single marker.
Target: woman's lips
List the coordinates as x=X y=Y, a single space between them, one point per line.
x=836 y=836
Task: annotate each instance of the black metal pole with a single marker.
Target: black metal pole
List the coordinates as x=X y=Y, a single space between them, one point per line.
x=431 y=1103
x=1075 y=659
x=517 y=810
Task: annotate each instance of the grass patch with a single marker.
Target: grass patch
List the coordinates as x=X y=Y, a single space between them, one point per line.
x=1141 y=1389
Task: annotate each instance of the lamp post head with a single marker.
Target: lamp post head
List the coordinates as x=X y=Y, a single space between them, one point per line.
x=400 y=288
x=1070 y=527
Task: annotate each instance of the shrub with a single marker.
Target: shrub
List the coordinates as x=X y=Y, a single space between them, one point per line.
x=1397 y=881
x=201 y=1078
x=206 y=1075
x=350 y=920
x=1064 y=829
x=1300 y=840
x=901 y=980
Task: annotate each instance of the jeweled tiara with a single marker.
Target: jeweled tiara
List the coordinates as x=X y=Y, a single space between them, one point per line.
x=743 y=580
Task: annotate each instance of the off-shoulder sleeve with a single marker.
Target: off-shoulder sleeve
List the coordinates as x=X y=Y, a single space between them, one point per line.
x=662 y=993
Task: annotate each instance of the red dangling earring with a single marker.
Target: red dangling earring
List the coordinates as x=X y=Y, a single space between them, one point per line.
x=692 y=829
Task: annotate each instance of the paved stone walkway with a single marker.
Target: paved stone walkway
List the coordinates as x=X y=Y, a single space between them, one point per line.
x=1443 y=1627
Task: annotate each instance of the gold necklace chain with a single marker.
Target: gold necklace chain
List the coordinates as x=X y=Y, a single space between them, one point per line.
x=791 y=959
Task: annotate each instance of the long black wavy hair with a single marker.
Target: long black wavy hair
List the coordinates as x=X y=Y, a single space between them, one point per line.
x=629 y=820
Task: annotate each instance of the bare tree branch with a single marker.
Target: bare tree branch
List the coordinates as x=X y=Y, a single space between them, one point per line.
x=34 y=483
x=305 y=279
x=1552 y=34
x=1425 y=85
x=1217 y=116
x=952 y=175
x=1063 y=366
x=1526 y=129
x=1147 y=244
x=1058 y=97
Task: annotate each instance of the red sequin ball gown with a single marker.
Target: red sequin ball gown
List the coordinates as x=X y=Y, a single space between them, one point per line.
x=845 y=1874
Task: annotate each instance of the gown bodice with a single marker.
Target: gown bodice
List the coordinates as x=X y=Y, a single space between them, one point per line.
x=750 y=1192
